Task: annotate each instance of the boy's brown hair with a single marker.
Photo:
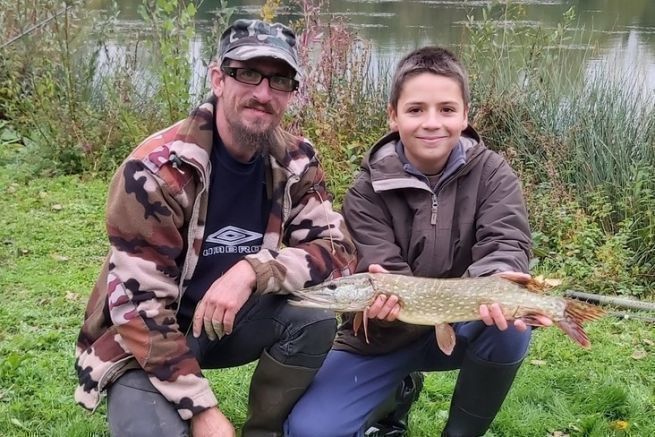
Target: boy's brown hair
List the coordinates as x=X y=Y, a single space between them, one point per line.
x=435 y=60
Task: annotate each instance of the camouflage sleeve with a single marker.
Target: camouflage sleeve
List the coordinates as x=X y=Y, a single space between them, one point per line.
x=143 y=223
x=317 y=245
x=502 y=233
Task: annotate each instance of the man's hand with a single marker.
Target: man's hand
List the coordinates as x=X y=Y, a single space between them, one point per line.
x=225 y=297
x=211 y=423
x=383 y=307
x=493 y=314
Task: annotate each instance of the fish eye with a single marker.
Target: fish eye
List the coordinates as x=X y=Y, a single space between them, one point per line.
x=332 y=286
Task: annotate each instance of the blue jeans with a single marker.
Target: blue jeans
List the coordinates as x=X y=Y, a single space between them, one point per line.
x=349 y=386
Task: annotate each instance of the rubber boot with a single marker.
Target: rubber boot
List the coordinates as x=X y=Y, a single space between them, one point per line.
x=391 y=418
x=274 y=390
x=479 y=393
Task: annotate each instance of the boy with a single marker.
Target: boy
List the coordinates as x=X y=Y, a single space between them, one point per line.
x=432 y=201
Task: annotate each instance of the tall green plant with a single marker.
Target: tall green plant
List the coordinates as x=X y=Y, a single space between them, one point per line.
x=173 y=30
x=341 y=104
x=582 y=142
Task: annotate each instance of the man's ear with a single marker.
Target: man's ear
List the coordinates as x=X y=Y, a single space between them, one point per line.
x=392 y=117
x=216 y=78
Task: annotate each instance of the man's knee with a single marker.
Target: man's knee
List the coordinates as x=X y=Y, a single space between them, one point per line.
x=307 y=338
x=136 y=408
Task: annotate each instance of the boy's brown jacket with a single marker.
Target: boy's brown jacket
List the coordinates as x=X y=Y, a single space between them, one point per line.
x=480 y=227
x=155 y=222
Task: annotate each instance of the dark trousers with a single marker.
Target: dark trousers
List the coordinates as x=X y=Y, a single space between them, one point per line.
x=349 y=386
x=291 y=335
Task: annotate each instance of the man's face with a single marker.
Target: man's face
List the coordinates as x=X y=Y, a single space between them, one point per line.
x=248 y=114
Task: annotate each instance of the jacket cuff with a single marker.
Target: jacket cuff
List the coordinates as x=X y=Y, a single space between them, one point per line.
x=189 y=407
x=262 y=264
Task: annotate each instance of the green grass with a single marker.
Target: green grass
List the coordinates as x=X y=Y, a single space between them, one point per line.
x=53 y=243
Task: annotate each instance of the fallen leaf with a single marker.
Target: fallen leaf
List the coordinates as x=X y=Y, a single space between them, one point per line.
x=56 y=207
x=619 y=425
x=72 y=296
x=538 y=362
x=559 y=434
x=639 y=354
x=60 y=258
x=648 y=342
x=19 y=424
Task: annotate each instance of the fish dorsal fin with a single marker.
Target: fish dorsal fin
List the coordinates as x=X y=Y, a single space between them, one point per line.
x=533 y=284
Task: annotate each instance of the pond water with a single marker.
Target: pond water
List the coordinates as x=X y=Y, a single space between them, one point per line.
x=620 y=32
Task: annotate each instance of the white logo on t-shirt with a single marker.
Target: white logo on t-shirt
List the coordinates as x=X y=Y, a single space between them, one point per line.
x=232 y=236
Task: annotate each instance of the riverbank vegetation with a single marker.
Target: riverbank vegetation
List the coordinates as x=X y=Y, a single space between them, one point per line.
x=77 y=93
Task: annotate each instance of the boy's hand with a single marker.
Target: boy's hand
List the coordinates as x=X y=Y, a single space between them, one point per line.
x=493 y=314
x=383 y=307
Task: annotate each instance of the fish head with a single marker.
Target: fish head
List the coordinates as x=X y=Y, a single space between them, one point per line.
x=347 y=294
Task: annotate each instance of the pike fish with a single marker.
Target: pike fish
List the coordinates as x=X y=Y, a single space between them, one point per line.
x=439 y=302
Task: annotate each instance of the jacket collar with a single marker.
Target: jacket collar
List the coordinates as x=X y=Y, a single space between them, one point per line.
x=390 y=168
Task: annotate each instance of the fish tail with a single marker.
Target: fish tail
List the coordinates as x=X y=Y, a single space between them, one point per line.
x=575 y=314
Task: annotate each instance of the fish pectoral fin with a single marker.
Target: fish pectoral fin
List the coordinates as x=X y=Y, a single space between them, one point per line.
x=361 y=318
x=357 y=322
x=532 y=319
x=446 y=338
x=365 y=322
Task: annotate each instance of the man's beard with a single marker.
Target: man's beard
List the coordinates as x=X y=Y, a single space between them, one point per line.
x=259 y=142
x=255 y=140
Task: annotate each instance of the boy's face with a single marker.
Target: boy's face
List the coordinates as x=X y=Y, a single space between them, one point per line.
x=430 y=117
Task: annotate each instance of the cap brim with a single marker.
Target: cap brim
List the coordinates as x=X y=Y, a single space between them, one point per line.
x=246 y=52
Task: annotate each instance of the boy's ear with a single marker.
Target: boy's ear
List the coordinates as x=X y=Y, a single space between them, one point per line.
x=466 y=118
x=391 y=117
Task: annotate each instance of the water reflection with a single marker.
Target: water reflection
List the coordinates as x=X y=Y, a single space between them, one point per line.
x=622 y=32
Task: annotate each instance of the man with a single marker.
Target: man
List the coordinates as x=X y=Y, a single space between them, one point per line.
x=210 y=222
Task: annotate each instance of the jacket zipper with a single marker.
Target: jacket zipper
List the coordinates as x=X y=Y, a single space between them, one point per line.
x=435 y=195
x=435 y=206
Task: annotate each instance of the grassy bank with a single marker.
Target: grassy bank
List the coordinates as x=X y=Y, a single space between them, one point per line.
x=53 y=243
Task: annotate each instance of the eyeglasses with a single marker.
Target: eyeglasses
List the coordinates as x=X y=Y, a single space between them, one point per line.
x=254 y=77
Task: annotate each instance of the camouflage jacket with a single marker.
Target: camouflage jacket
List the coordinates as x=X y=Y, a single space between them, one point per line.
x=155 y=214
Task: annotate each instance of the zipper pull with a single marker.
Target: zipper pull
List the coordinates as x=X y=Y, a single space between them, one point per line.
x=435 y=205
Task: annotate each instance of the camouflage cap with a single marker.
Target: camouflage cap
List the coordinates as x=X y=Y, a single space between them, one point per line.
x=247 y=39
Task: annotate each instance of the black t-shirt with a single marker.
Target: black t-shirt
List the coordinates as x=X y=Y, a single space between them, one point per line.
x=237 y=214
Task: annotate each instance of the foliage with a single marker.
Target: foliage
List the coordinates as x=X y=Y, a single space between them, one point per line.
x=172 y=25
x=340 y=105
x=269 y=10
x=583 y=149
x=75 y=88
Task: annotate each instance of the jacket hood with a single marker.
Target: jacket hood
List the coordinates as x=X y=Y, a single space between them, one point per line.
x=388 y=168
